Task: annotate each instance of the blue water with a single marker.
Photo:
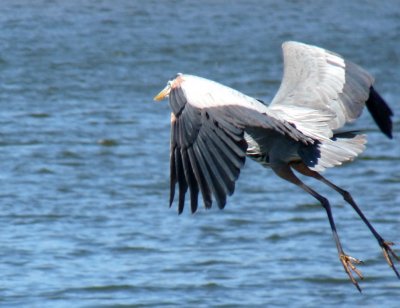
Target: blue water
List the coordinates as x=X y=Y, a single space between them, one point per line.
x=84 y=158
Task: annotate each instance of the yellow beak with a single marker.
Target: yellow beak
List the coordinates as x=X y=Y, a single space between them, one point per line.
x=163 y=94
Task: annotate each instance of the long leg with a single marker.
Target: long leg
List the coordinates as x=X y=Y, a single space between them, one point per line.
x=387 y=250
x=285 y=172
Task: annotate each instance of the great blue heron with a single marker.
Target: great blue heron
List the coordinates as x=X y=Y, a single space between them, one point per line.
x=214 y=127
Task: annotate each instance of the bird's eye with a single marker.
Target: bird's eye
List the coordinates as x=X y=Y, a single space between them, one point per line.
x=171 y=81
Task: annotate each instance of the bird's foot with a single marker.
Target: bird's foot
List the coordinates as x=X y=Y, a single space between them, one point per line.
x=348 y=264
x=389 y=254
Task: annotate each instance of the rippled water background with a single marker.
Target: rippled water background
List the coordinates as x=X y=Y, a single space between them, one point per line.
x=84 y=220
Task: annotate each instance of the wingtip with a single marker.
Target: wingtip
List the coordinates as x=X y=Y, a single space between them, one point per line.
x=381 y=112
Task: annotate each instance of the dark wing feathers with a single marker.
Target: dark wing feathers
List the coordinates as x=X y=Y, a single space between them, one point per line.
x=206 y=157
x=172 y=165
x=191 y=180
x=218 y=184
x=380 y=112
x=215 y=146
x=177 y=101
x=205 y=190
x=208 y=148
x=244 y=117
x=180 y=174
x=209 y=174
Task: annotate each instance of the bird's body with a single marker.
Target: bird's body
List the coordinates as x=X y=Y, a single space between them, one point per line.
x=214 y=128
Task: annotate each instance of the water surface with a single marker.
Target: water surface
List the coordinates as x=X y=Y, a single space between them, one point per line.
x=84 y=158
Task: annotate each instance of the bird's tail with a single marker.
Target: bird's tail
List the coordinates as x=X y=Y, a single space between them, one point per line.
x=342 y=147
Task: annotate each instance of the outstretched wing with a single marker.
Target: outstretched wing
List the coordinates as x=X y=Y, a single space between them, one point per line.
x=318 y=79
x=208 y=147
x=206 y=156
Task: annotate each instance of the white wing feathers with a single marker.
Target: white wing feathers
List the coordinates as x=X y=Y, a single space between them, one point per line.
x=331 y=90
x=310 y=122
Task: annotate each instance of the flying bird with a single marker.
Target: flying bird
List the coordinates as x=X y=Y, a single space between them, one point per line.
x=214 y=128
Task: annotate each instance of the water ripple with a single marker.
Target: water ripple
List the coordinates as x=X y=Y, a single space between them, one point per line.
x=85 y=153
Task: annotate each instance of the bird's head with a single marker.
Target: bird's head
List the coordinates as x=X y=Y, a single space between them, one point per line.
x=172 y=84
